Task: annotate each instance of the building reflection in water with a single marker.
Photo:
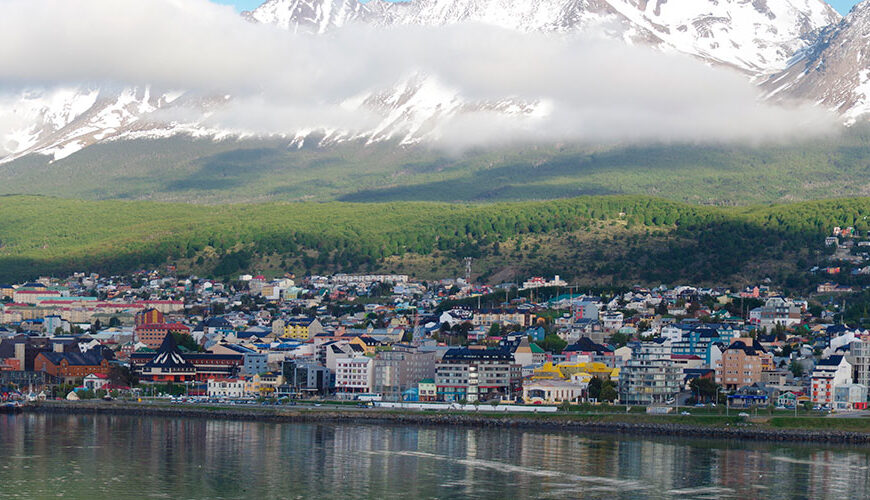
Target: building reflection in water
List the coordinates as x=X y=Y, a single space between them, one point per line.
x=100 y=456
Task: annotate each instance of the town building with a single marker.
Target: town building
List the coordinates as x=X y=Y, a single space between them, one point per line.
x=850 y=397
x=859 y=357
x=477 y=375
x=742 y=364
x=426 y=390
x=553 y=391
x=776 y=311
x=354 y=374
x=297 y=328
x=400 y=369
x=168 y=365
x=829 y=373
x=71 y=366
x=152 y=334
x=650 y=376
x=306 y=378
x=226 y=388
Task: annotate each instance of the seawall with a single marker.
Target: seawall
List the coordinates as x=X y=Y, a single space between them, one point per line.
x=551 y=423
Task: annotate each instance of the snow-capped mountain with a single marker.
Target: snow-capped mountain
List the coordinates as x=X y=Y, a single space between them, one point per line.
x=59 y=122
x=835 y=71
x=758 y=37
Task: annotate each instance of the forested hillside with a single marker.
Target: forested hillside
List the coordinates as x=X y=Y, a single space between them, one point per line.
x=609 y=239
x=203 y=171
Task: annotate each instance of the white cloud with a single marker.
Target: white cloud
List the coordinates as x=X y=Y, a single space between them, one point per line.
x=597 y=90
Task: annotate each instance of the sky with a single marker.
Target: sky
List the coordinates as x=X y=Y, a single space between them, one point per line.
x=841 y=5
x=241 y=5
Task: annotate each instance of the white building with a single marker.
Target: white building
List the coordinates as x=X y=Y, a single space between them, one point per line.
x=850 y=397
x=538 y=282
x=226 y=388
x=776 y=311
x=828 y=374
x=553 y=391
x=612 y=321
x=354 y=374
x=96 y=381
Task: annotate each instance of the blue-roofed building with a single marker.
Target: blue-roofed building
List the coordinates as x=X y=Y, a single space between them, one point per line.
x=697 y=342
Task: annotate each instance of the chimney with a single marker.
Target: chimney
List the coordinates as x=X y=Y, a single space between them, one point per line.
x=19 y=354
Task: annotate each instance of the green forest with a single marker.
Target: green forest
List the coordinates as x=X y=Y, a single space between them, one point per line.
x=182 y=169
x=619 y=239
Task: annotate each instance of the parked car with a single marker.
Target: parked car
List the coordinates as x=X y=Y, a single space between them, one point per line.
x=742 y=414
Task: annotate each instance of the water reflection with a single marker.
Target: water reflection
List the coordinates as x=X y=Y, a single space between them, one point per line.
x=127 y=457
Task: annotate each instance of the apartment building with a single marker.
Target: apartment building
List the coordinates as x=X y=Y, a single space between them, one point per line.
x=477 y=375
x=650 y=376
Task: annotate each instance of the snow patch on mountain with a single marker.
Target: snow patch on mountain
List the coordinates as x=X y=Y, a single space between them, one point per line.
x=834 y=72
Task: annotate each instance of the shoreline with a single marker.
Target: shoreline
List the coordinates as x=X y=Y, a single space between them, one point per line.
x=606 y=424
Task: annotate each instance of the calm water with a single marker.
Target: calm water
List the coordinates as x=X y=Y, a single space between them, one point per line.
x=93 y=457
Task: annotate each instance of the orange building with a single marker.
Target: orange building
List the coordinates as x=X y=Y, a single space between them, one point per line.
x=742 y=364
x=152 y=334
x=71 y=365
x=149 y=317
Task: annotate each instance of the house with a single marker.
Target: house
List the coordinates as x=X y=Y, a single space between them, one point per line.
x=554 y=391
x=828 y=374
x=612 y=321
x=301 y=328
x=226 y=388
x=95 y=381
x=264 y=384
x=776 y=311
x=426 y=390
x=787 y=399
x=368 y=344
x=587 y=350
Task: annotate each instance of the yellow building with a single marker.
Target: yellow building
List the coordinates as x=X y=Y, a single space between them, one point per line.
x=368 y=344
x=565 y=371
x=297 y=328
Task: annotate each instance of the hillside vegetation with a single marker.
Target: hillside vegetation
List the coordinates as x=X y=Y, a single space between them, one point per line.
x=613 y=239
x=203 y=171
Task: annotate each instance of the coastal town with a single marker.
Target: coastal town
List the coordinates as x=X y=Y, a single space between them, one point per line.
x=387 y=338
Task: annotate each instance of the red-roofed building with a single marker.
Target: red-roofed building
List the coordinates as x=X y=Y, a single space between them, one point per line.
x=152 y=334
x=164 y=306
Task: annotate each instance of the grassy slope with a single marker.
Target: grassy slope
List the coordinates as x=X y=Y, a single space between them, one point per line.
x=182 y=169
x=607 y=239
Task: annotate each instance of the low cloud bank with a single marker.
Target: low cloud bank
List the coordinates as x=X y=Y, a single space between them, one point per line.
x=563 y=88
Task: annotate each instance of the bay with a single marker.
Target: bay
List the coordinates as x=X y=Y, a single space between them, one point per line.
x=121 y=457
